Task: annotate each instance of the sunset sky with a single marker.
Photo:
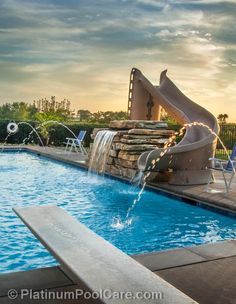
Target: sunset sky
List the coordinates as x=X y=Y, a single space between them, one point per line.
x=84 y=50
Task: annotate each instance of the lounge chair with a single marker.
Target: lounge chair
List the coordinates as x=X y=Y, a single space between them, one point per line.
x=88 y=258
x=76 y=143
x=228 y=170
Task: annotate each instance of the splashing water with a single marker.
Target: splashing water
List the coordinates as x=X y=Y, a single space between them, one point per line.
x=119 y=224
x=100 y=150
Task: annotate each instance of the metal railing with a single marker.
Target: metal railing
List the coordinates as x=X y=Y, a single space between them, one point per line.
x=228 y=136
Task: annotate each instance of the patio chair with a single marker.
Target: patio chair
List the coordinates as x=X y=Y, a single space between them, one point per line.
x=76 y=143
x=227 y=168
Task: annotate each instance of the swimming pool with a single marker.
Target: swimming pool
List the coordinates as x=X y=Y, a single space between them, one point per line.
x=158 y=221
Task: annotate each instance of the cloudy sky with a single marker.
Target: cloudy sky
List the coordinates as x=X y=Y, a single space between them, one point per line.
x=83 y=50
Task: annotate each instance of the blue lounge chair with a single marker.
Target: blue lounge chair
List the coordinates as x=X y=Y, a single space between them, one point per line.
x=227 y=168
x=76 y=143
x=231 y=162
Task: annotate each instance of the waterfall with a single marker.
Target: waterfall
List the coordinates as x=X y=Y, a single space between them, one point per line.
x=100 y=150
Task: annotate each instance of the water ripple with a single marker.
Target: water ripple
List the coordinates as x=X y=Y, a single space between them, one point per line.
x=156 y=223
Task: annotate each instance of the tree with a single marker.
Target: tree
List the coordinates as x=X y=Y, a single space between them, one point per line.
x=5 y=111
x=61 y=108
x=84 y=115
x=222 y=118
x=45 y=117
x=106 y=117
x=17 y=111
x=51 y=111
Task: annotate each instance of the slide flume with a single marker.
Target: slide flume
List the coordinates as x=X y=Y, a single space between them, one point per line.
x=189 y=158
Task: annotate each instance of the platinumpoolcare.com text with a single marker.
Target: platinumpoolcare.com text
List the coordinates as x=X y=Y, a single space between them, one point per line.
x=103 y=294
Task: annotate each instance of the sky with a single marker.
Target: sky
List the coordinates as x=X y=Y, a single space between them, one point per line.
x=84 y=50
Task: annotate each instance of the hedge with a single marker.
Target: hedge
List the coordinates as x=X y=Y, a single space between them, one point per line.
x=57 y=133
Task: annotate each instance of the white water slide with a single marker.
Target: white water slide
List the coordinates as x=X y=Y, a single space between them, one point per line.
x=189 y=158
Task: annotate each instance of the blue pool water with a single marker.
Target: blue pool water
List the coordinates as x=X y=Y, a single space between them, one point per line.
x=158 y=222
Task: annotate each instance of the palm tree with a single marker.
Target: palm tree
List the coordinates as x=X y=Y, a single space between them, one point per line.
x=222 y=118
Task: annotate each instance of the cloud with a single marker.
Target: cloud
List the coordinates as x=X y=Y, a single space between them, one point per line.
x=84 y=50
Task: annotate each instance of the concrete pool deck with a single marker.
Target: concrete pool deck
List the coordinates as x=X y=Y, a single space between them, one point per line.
x=206 y=273
x=200 y=194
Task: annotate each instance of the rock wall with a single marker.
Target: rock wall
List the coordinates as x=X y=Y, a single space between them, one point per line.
x=132 y=139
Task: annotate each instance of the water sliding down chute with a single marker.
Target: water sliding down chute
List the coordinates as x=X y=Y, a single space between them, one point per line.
x=189 y=159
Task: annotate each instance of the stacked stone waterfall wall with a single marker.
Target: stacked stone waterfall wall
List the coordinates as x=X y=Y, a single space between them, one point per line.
x=132 y=139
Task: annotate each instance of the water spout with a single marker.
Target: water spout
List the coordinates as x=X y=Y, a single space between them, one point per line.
x=58 y=123
x=33 y=131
